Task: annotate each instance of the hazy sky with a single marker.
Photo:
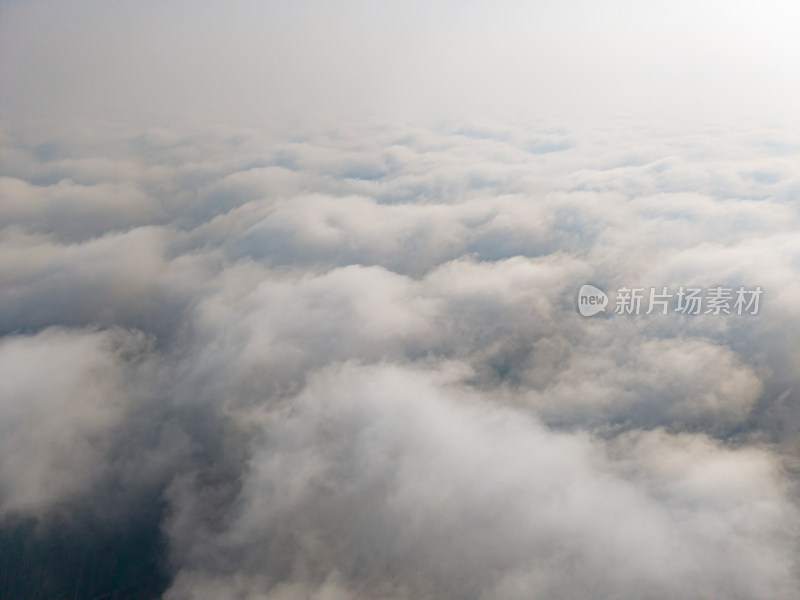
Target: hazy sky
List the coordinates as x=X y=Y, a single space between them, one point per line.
x=257 y=59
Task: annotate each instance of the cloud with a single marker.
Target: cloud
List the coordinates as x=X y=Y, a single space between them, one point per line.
x=386 y=481
x=54 y=426
x=346 y=362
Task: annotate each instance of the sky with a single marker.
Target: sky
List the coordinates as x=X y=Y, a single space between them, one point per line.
x=689 y=60
x=290 y=300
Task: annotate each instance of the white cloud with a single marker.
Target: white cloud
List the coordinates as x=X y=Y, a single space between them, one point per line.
x=65 y=393
x=346 y=362
x=388 y=480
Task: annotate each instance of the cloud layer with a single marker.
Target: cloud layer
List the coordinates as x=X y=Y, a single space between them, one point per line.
x=346 y=362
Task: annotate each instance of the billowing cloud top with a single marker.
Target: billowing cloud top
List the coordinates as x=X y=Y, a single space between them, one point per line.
x=301 y=360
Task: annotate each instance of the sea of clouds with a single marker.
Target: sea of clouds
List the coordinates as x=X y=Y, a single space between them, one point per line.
x=344 y=362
